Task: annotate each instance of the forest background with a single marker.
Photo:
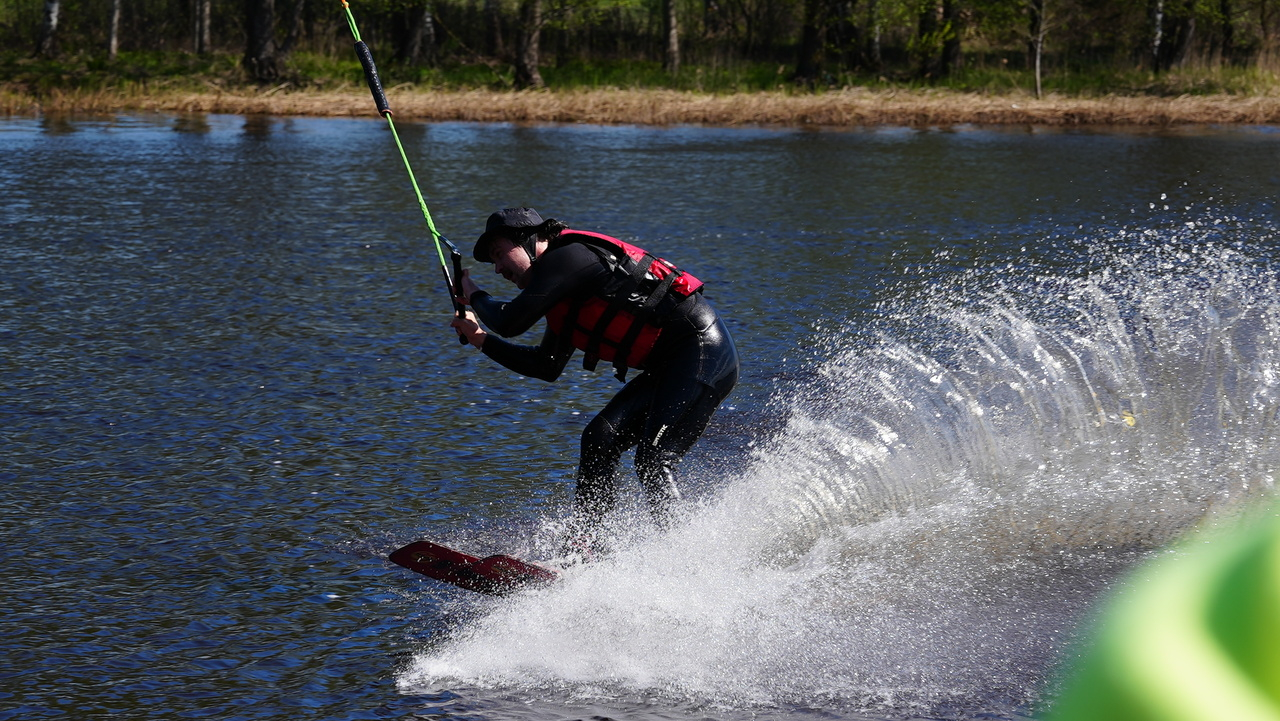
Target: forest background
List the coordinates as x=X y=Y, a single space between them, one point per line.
x=213 y=54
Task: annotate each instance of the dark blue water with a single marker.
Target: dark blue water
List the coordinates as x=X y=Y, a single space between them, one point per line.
x=985 y=371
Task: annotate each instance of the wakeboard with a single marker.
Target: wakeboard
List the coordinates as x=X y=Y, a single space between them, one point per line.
x=496 y=575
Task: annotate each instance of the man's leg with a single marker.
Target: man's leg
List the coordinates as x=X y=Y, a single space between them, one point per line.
x=615 y=429
x=682 y=407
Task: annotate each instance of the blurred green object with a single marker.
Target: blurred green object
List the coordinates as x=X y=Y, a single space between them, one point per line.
x=1193 y=636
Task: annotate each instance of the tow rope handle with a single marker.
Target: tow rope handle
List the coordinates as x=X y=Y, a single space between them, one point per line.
x=453 y=284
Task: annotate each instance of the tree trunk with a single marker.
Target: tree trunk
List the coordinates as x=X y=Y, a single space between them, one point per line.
x=48 y=46
x=261 y=56
x=204 y=13
x=710 y=18
x=1156 y=12
x=1264 y=25
x=1183 y=32
x=295 y=28
x=812 y=42
x=113 y=40
x=845 y=35
x=493 y=28
x=938 y=39
x=671 y=28
x=422 y=38
x=950 y=57
x=527 y=51
x=1173 y=28
x=1228 y=32
x=1038 y=30
x=927 y=32
x=875 y=56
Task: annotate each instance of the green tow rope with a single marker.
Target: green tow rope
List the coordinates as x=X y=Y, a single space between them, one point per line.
x=380 y=100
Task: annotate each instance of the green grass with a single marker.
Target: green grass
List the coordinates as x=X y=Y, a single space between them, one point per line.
x=127 y=70
x=1104 y=80
x=741 y=77
x=146 y=71
x=324 y=71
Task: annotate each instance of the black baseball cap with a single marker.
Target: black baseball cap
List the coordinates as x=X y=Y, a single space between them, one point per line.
x=499 y=223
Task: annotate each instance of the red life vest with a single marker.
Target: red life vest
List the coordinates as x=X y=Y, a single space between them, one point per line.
x=623 y=321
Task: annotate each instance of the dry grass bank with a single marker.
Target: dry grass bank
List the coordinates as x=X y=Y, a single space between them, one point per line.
x=850 y=108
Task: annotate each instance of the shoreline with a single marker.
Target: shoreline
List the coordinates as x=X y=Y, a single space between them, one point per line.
x=850 y=108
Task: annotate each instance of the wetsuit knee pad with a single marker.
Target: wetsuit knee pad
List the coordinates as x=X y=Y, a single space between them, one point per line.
x=599 y=436
x=656 y=468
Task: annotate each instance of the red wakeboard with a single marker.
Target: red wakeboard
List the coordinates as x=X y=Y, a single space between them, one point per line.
x=497 y=575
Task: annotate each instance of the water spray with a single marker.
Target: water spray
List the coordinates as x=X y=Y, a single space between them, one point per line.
x=940 y=509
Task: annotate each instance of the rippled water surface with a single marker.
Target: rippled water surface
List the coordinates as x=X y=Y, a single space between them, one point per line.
x=986 y=370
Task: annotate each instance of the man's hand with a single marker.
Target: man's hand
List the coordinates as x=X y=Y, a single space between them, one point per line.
x=469 y=328
x=468 y=287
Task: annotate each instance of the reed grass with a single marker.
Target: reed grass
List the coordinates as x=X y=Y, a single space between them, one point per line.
x=846 y=108
x=632 y=93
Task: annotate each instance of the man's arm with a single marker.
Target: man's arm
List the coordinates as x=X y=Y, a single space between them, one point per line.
x=544 y=361
x=561 y=273
x=536 y=361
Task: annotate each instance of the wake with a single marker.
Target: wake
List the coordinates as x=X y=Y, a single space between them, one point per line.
x=942 y=505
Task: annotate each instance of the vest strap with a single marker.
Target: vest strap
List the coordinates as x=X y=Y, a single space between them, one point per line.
x=627 y=298
x=646 y=309
x=596 y=335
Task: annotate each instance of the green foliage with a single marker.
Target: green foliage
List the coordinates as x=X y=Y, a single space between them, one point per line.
x=568 y=14
x=1092 y=46
x=320 y=70
x=1100 y=80
x=182 y=71
x=1000 y=22
x=314 y=70
x=740 y=77
x=129 y=70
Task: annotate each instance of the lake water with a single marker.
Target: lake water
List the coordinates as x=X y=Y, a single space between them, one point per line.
x=985 y=372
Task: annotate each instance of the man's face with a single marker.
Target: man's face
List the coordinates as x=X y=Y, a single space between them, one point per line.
x=511 y=262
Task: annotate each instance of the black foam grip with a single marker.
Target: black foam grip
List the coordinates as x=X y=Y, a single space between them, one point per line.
x=371 y=75
x=457 y=281
x=457 y=270
x=457 y=307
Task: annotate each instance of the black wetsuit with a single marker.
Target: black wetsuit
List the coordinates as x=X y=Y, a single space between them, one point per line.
x=690 y=370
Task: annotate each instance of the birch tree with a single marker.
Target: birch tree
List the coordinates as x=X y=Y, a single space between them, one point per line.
x=671 y=29
x=202 y=35
x=528 y=53
x=47 y=46
x=1037 y=32
x=422 y=36
x=113 y=40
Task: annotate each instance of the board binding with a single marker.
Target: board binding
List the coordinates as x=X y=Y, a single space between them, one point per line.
x=495 y=575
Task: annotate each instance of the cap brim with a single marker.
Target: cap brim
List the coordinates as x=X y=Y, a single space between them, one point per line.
x=481 y=250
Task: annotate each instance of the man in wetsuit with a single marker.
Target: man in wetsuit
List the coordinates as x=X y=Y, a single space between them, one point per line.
x=616 y=303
